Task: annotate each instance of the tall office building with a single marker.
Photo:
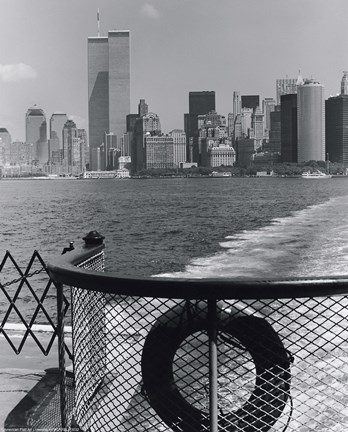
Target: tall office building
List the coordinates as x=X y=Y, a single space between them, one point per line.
x=258 y=128
x=274 y=143
x=246 y=122
x=69 y=137
x=237 y=103
x=310 y=121
x=268 y=106
x=149 y=123
x=5 y=147
x=57 y=122
x=55 y=144
x=143 y=108
x=159 y=151
x=108 y=88
x=73 y=149
x=250 y=101
x=288 y=128
x=201 y=102
x=36 y=133
x=336 y=122
x=82 y=134
x=344 y=83
x=179 y=148
x=230 y=124
x=285 y=86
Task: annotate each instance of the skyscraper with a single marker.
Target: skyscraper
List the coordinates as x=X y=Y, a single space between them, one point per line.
x=274 y=144
x=336 y=121
x=310 y=121
x=5 y=146
x=250 y=101
x=344 y=83
x=150 y=123
x=36 y=133
x=108 y=87
x=69 y=138
x=143 y=108
x=179 y=149
x=57 y=122
x=73 y=149
x=285 y=86
x=268 y=106
x=237 y=103
x=201 y=102
x=288 y=122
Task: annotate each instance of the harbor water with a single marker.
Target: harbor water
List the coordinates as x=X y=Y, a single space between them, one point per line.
x=204 y=227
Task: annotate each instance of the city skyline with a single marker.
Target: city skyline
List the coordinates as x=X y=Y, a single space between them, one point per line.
x=251 y=45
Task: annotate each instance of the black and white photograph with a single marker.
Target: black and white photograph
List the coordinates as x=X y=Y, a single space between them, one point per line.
x=173 y=216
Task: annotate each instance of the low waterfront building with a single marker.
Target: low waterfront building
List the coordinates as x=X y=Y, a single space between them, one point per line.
x=124 y=161
x=265 y=173
x=122 y=173
x=99 y=174
x=187 y=165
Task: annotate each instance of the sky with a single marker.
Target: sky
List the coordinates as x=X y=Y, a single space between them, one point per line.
x=177 y=46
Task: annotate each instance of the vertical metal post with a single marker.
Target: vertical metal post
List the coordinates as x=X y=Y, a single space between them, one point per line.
x=61 y=356
x=213 y=376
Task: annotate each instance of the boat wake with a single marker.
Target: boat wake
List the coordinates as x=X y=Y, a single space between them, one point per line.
x=311 y=242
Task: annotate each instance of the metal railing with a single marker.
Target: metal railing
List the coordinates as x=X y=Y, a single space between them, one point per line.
x=158 y=354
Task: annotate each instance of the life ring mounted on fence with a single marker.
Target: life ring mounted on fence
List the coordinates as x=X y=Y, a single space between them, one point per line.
x=255 y=334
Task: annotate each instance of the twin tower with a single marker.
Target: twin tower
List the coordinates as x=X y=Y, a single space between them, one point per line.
x=108 y=88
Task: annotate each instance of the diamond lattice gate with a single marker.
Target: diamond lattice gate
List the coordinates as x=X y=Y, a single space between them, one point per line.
x=28 y=298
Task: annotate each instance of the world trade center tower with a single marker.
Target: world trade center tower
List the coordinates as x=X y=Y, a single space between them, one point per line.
x=108 y=88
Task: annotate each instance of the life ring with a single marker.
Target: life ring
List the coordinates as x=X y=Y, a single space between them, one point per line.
x=271 y=359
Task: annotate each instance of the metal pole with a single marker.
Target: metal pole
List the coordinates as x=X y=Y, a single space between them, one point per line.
x=61 y=356
x=213 y=376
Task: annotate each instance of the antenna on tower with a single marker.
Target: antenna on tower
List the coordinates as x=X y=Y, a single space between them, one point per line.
x=98 y=22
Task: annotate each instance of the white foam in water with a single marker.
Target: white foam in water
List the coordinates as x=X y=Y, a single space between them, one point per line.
x=311 y=242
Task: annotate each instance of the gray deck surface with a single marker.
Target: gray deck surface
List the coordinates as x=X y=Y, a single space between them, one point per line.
x=19 y=374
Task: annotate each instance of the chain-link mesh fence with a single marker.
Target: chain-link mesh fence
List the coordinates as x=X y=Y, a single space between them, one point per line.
x=142 y=364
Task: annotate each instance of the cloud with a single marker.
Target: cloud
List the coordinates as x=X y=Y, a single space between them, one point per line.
x=16 y=72
x=150 y=11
